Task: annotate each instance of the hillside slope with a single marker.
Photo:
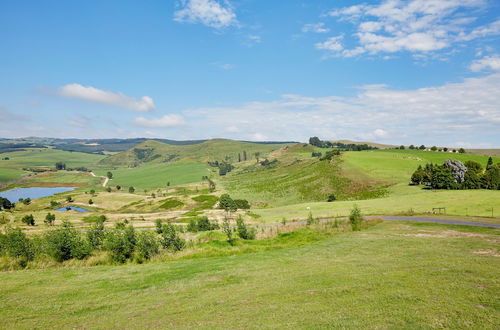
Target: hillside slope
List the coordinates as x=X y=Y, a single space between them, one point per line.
x=157 y=152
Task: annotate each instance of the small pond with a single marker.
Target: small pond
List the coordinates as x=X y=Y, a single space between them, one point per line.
x=74 y=208
x=13 y=195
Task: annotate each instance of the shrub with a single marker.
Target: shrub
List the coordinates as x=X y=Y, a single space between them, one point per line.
x=242 y=204
x=227 y=203
x=49 y=219
x=131 y=190
x=170 y=240
x=226 y=228
x=243 y=231
x=29 y=220
x=54 y=204
x=147 y=245
x=5 y=204
x=159 y=226
x=96 y=235
x=65 y=243
x=16 y=244
x=356 y=218
x=91 y=201
x=120 y=243
x=331 y=198
x=108 y=189
x=69 y=199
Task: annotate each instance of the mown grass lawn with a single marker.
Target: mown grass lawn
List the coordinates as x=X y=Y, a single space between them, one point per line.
x=392 y=275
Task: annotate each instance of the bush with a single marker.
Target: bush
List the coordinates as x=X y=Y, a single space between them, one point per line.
x=331 y=198
x=29 y=220
x=170 y=240
x=243 y=231
x=356 y=218
x=5 y=204
x=242 y=204
x=131 y=190
x=69 y=199
x=201 y=224
x=49 y=219
x=54 y=204
x=65 y=243
x=147 y=245
x=120 y=243
x=227 y=203
x=159 y=226
x=16 y=244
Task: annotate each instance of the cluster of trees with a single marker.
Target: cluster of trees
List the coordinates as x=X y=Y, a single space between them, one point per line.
x=224 y=167
x=201 y=224
x=231 y=205
x=315 y=141
x=269 y=163
x=433 y=148
x=122 y=242
x=453 y=174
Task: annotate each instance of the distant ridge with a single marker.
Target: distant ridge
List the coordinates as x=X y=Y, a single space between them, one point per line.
x=372 y=144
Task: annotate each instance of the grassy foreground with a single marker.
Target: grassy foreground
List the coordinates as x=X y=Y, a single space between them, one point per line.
x=391 y=275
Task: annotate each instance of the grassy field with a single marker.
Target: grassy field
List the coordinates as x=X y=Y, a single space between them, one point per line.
x=457 y=202
x=42 y=158
x=395 y=167
x=388 y=276
x=157 y=175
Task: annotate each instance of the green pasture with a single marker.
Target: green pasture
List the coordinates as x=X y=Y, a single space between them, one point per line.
x=457 y=202
x=157 y=175
x=393 y=275
x=32 y=158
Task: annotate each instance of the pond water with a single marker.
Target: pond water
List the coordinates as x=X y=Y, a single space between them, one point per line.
x=13 y=195
x=74 y=208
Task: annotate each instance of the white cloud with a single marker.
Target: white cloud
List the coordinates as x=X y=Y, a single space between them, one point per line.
x=315 y=27
x=232 y=129
x=171 y=120
x=212 y=13
x=416 y=26
x=332 y=44
x=486 y=63
x=429 y=115
x=93 y=94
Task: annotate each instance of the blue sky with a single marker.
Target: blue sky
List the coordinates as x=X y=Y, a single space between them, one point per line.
x=402 y=72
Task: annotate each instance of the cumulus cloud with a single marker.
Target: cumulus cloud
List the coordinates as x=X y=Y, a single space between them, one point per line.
x=486 y=63
x=212 y=13
x=96 y=95
x=331 y=44
x=171 y=120
x=416 y=26
x=428 y=115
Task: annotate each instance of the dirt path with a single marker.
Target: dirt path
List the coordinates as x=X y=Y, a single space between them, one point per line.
x=106 y=179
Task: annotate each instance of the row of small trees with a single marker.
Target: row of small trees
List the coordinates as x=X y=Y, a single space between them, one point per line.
x=122 y=242
x=453 y=174
x=433 y=148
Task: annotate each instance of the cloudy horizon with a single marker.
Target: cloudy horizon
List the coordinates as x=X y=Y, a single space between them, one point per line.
x=387 y=71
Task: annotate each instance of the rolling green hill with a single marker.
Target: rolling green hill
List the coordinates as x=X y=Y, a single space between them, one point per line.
x=212 y=150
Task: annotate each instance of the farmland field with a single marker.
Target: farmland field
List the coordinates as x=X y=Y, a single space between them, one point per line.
x=389 y=276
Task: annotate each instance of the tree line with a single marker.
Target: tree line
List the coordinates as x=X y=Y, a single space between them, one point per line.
x=453 y=174
x=315 y=141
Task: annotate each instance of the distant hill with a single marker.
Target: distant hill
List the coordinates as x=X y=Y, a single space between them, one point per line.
x=372 y=144
x=152 y=151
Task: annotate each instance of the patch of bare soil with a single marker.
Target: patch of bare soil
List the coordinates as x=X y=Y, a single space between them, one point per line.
x=447 y=234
